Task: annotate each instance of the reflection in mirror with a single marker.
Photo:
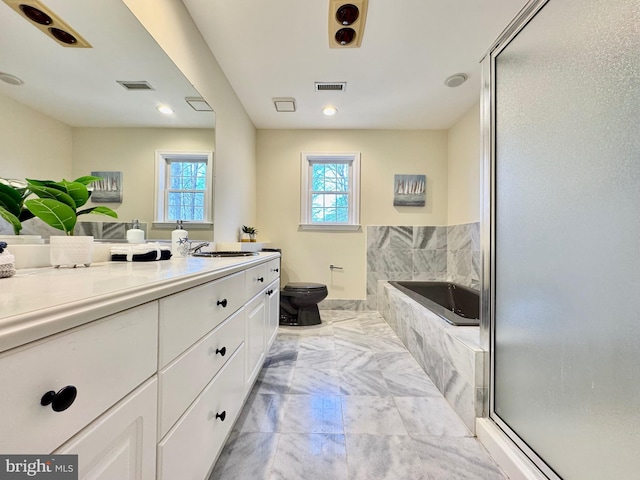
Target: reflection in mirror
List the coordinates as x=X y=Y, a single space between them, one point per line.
x=83 y=110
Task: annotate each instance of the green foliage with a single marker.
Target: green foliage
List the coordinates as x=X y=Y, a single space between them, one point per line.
x=12 y=204
x=58 y=202
x=249 y=230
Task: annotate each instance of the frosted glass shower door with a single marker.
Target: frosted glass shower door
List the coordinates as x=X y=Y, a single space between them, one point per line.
x=566 y=267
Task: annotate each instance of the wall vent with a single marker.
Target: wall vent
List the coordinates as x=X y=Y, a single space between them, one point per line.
x=330 y=86
x=141 y=85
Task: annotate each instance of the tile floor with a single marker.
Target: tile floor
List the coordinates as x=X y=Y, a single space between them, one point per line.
x=345 y=400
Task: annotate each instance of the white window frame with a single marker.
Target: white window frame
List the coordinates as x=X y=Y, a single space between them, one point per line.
x=306 y=171
x=163 y=160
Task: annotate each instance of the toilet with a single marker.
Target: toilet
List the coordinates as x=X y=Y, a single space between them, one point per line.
x=299 y=303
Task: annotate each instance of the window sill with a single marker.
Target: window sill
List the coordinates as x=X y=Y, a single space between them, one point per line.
x=329 y=227
x=186 y=225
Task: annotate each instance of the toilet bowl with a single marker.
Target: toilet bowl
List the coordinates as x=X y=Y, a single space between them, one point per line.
x=299 y=303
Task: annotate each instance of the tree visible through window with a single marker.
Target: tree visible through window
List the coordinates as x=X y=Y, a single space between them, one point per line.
x=183 y=186
x=186 y=194
x=330 y=189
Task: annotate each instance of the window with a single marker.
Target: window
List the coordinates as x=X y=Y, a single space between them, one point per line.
x=330 y=191
x=183 y=187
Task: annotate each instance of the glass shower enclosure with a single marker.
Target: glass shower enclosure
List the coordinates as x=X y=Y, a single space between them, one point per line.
x=561 y=111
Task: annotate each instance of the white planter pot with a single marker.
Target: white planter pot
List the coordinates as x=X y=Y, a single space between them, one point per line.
x=71 y=251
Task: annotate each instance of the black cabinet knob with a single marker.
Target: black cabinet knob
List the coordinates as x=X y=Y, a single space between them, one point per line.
x=275 y=270
x=269 y=292
x=222 y=415
x=222 y=302
x=222 y=351
x=260 y=279
x=60 y=401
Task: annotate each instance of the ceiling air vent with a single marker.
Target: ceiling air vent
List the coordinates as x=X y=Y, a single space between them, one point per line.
x=330 y=86
x=142 y=85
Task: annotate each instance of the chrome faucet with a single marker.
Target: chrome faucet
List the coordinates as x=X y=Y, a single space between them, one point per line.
x=197 y=248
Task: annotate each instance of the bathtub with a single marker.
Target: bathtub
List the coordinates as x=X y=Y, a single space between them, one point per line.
x=458 y=305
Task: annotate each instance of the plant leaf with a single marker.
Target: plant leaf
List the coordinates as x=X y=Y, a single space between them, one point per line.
x=14 y=193
x=12 y=219
x=8 y=202
x=54 y=193
x=44 y=183
x=77 y=191
x=86 y=180
x=57 y=214
x=101 y=210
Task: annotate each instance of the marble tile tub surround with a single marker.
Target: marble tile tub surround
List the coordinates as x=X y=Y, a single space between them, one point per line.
x=344 y=400
x=428 y=253
x=451 y=356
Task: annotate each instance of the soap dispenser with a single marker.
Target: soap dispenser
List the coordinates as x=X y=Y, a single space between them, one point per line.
x=135 y=234
x=179 y=246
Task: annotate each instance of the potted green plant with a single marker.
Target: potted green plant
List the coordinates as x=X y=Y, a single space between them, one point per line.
x=248 y=234
x=12 y=196
x=58 y=205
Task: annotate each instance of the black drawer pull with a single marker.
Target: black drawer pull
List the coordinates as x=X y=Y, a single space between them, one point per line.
x=222 y=415
x=260 y=279
x=60 y=401
x=269 y=292
x=275 y=270
x=222 y=351
x=222 y=302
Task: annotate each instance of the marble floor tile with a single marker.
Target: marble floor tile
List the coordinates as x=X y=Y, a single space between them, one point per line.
x=456 y=458
x=262 y=413
x=281 y=357
x=386 y=344
x=430 y=416
x=363 y=382
x=396 y=361
x=312 y=381
x=274 y=380
x=359 y=343
x=410 y=383
x=246 y=456
x=371 y=415
x=310 y=456
x=349 y=360
x=312 y=414
x=317 y=344
x=320 y=360
x=373 y=457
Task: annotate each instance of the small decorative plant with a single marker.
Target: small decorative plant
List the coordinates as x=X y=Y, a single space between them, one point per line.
x=251 y=232
x=58 y=202
x=12 y=196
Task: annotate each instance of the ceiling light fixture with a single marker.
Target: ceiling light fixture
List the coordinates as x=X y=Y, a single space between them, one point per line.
x=48 y=22
x=11 y=79
x=329 y=110
x=346 y=23
x=456 y=80
x=165 y=110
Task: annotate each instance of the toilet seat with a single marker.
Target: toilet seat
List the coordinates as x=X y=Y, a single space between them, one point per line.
x=304 y=286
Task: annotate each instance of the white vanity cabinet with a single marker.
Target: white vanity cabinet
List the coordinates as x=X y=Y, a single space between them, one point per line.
x=160 y=362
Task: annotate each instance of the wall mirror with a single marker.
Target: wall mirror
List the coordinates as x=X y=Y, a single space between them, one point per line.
x=105 y=97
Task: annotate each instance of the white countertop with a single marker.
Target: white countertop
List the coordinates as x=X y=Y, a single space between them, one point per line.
x=35 y=303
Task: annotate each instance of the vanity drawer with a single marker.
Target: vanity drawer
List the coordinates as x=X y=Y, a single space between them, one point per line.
x=182 y=380
x=257 y=280
x=190 y=448
x=273 y=270
x=187 y=316
x=104 y=360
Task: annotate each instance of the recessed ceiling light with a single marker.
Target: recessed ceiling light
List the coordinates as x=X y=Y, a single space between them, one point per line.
x=456 y=80
x=11 y=79
x=329 y=110
x=164 y=109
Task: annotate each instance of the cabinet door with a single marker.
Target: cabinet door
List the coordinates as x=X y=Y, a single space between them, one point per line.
x=255 y=337
x=121 y=444
x=273 y=312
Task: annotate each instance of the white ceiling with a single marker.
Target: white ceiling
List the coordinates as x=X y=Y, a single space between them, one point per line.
x=78 y=86
x=279 y=48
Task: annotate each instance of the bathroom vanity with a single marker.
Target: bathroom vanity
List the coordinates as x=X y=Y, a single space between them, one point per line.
x=142 y=368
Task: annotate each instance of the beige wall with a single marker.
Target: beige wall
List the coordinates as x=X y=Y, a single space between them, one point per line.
x=307 y=255
x=464 y=169
x=132 y=152
x=169 y=23
x=32 y=145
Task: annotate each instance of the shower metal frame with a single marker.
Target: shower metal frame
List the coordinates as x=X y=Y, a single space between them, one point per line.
x=487 y=234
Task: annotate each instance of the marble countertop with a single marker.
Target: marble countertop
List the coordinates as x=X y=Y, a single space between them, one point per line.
x=35 y=303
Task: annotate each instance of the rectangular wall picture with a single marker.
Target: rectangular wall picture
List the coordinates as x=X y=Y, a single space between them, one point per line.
x=410 y=190
x=109 y=189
